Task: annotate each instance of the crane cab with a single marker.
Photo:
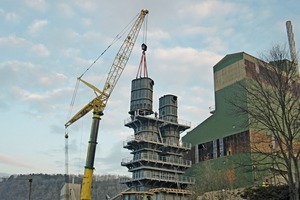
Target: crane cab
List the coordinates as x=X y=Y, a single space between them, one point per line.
x=135 y=195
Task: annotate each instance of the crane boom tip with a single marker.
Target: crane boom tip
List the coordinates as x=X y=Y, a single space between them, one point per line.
x=145 y=11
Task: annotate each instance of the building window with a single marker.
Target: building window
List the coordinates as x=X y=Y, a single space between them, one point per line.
x=205 y=151
x=257 y=68
x=221 y=147
x=230 y=145
x=215 y=149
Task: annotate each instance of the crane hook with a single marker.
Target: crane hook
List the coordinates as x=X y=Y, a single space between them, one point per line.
x=66 y=135
x=144 y=47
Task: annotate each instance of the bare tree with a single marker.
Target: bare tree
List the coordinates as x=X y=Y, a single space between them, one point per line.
x=272 y=104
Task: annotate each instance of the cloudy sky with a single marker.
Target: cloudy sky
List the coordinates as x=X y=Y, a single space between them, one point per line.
x=45 y=45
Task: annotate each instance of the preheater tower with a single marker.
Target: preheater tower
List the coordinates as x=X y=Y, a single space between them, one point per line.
x=157 y=163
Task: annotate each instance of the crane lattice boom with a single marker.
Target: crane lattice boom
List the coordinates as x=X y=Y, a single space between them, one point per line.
x=99 y=103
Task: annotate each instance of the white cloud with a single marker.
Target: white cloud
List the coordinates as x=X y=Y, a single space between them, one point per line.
x=71 y=34
x=186 y=72
x=39 y=5
x=19 y=42
x=14 y=163
x=12 y=17
x=86 y=22
x=13 y=72
x=89 y=6
x=13 y=40
x=28 y=96
x=40 y=49
x=79 y=62
x=27 y=79
x=65 y=10
x=71 y=52
x=194 y=30
x=158 y=35
x=9 y=16
x=45 y=79
x=215 y=44
x=91 y=35
x=37 y=25
x=42 y=102
x=186 y=57
x=205 y=9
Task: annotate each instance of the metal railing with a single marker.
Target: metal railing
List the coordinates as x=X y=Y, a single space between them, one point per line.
x=159 y=176
x=157 y=140
x=165 y=119
x=157 y=158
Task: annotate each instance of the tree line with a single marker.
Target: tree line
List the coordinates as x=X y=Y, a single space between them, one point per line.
x=48 y=187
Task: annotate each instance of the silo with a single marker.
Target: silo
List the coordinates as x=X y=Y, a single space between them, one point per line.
x=141 y=96
x=168 y=112
x=168 y=108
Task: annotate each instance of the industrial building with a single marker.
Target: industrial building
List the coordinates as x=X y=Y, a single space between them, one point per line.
x=157 y=164
x=224 y=139
x=70 y=191
x=245 y=140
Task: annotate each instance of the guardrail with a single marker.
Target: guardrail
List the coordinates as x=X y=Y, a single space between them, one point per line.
x=165 y=119
x=160 y=177
x=157 y=140
x=156 y=158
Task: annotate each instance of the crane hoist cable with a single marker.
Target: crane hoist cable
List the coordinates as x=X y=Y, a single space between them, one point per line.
x=145 y=25
x=116 y=38
x=67 y=178
x=143 y=64
x=142 y=70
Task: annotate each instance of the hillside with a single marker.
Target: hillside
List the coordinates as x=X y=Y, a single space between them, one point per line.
x=48 y=187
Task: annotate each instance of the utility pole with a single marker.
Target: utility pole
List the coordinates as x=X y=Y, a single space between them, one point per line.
x=30 y=182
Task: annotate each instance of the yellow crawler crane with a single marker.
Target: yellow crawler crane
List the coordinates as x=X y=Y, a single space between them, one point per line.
x=98 y=104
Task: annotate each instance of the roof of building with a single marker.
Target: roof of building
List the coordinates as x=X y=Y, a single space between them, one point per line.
x=224 y=121
x=228 y=60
